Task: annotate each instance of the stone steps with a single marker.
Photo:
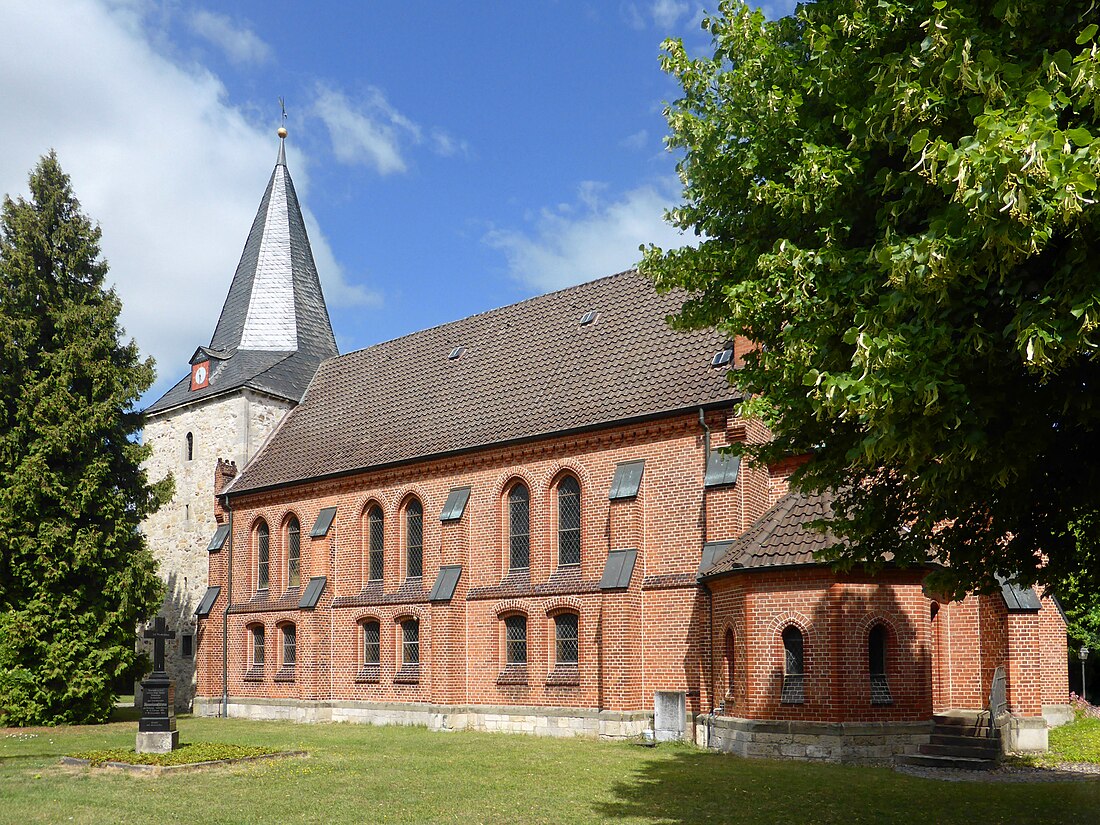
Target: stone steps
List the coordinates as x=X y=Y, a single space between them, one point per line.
x=959 y=741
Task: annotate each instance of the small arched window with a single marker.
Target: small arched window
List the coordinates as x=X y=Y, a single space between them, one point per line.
x=256 y=653
x=877 y=642
x=569 y=522
x=729 y=655
x=410 y=643
x=190 y=447
x=519 y=528
x=263 y=556
x=793 y=689
x=414 y=540
x=515 y=640
x=375 y=558
x=290 y=644
x=293 y=553
x=566 y=639
x=372 y=644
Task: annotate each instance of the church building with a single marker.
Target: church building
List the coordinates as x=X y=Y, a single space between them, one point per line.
x=524 y=521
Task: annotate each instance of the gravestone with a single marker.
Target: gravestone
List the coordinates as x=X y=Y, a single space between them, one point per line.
x=157 y=727
x=669 y=715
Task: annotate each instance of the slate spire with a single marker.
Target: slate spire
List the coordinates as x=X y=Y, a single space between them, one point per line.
x=275 y=302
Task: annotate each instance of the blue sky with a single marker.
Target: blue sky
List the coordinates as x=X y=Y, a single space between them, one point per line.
x=450 y=157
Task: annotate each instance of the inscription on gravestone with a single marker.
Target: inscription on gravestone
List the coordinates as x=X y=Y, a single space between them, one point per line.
x=158 y=702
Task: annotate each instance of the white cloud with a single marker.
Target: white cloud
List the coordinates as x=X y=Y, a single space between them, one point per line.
x=638 y=140
x=240 y=43
x=667 y=13
x=172 y=172
x=368 y=132
x=662 y=14
x=594 y=237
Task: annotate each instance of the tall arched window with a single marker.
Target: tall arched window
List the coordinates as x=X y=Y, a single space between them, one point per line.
x=190 y=447
x=569 y=521
x=293 y=553
x=877 y=641
x=414 y=539
x=793 y=691
x=375 y=558
x=729 y=653
x=263 y=556
x=256 y=659
x=519 y=528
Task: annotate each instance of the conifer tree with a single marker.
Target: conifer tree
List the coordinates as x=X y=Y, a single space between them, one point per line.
x=75 y=575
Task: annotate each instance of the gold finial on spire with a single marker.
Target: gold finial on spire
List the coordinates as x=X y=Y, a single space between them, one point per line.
x=282 y=129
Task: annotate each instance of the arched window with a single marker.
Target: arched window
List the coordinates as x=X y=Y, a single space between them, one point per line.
x=515 y=640
x=414 y=540
x=263 y=556
x=519 y=528
x=375 y=559
x=877 y=641
x=256 y=657
x=293 y=553
x=410 y=643
x=566 y=639
x=190 y=447
x=290 y=643
x=372 y=644
x=793 y=691
x=729 y=652
x=569 y=522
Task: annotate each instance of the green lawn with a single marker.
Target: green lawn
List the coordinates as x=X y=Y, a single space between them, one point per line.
x=364 y=774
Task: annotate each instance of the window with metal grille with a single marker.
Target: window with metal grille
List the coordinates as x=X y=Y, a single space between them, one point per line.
x=566 y=639
x=793 y=689
x=414 y=540
x=257 y=646
x=410 y=643
x=515 y=635
x=519 y=528
x=569 y=521
x=263 y=556
x=375 y=558
x=876 y=656
x=372 y=644
x=187 y=646
x=729 y=660
x=293 y=553
x=290 y=643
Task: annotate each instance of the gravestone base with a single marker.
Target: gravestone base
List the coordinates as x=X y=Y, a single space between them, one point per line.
x=157 y=741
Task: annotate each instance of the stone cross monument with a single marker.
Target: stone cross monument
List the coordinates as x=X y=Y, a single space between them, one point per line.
x=157 y=727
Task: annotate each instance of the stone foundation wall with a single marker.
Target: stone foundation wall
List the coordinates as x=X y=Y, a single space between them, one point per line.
x=541 y=721
x=841 y=742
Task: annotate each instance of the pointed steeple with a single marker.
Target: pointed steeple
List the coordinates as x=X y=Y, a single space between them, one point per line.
x=275 y=302
x=274 y=329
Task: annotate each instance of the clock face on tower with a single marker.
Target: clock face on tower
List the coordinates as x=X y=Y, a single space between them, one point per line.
x=200 y=375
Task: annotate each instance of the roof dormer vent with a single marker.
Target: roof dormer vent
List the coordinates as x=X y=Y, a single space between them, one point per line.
x=722 y=357
x=456 y=353
x=589 y=317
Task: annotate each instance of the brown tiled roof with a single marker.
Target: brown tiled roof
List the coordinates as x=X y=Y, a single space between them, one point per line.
x=528 y=370
x=779 y=537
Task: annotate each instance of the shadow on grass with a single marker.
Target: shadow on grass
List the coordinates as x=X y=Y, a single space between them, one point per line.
x=688 y=787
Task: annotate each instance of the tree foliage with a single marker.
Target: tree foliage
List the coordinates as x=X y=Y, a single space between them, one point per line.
x=75 y=575
x=896 y=201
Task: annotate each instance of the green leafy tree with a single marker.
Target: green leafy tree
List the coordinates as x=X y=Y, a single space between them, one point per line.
x=897 y=202
x=75 y=575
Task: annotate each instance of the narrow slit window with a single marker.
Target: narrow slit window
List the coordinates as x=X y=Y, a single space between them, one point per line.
x=263 y=556
x=290 y=645
x=190 y=446
x=729 y=646
x=258 y=646
x=372 y=644
x=877 y=642
x=793 y=687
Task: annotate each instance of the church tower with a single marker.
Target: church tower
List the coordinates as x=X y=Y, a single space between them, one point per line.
x=273 y=333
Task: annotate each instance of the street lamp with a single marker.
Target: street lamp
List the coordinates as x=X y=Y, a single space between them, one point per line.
x=1084 y=653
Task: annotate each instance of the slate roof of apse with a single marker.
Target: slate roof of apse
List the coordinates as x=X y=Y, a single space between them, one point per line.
x=779 y=537
x=284 y=343
x=528 y=370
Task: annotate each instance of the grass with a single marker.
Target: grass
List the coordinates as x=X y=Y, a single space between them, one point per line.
x=1078 y=741
x=368 y=774
x=188 y=754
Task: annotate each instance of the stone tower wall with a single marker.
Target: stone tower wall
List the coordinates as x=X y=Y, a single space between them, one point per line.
x=231 y=427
